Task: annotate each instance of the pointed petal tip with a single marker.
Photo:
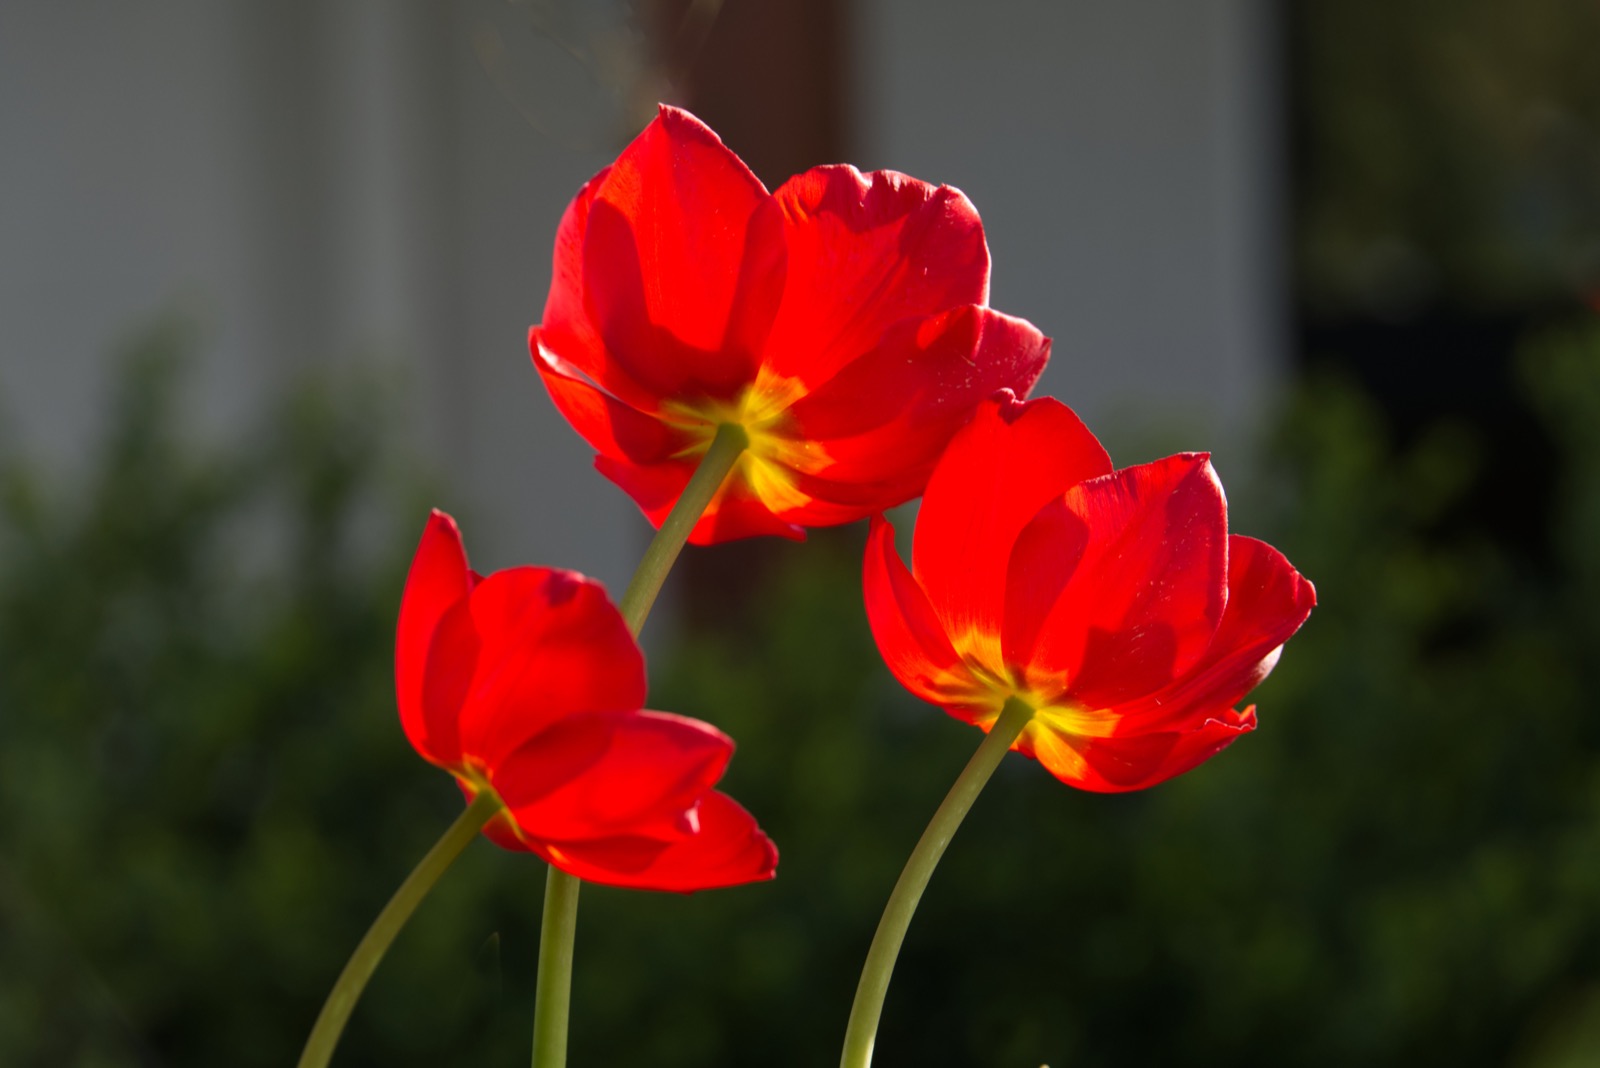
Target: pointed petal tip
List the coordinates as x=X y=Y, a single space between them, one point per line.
x=770 y=866
x=679 y=123
x=1010 y=406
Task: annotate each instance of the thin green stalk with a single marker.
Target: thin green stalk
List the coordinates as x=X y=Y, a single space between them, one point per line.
x=726 y=448
x=559 y=926
x=554 y=996
x=868 y=1006
x=353 y=980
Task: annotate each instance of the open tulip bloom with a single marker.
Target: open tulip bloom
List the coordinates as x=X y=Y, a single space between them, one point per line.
x=1104 y=622
x=840 y=324
x=749 y=363
x=527 y=687
x=1115 y=605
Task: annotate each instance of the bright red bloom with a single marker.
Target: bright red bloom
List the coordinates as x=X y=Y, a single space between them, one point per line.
x=528 y=683
x=841 y=321
x=1115 y=603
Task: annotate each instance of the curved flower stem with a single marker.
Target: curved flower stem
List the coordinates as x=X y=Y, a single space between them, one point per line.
x=868 y=1006
x=559 y=926
x=375 y=943
x=725 y=450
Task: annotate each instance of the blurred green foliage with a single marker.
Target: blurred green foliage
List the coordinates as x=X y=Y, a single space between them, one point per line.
x=1402 y=866
x=205 y=796
x=1448 y=152
x=202 y=795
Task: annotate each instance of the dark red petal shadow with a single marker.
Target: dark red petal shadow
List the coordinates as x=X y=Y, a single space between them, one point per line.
x=604 y=774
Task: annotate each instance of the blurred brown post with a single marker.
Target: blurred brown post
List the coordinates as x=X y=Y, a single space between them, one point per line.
x=772 y=78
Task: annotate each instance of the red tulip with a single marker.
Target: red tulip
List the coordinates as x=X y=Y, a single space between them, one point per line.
x=841 y=321
x=1114 y=603
x=528 y=683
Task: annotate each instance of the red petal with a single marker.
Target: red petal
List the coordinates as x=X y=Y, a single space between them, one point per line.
x=909 y=636
x=550 y=644
x=729 y=849
x=1119 y=586
x=992 y=479
x=438 y=580
x=568 y=329
x=864 y=252
x=613 y=428
x=1268 y=600
x=885 y=419
x=1137 y=761
x=605 y=774
x=662 y=259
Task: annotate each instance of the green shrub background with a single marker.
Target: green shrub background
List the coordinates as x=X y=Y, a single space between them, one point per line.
x=205 y=795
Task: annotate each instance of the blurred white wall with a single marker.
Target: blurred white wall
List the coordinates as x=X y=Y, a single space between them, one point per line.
x=322 y=180
x=313 y=181
x=1125 y=156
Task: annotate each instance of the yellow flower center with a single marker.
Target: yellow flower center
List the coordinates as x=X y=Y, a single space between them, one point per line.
x=769 y=463
x=1054 y=713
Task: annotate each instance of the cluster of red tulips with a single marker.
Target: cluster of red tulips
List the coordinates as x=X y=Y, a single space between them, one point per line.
x=747 y=363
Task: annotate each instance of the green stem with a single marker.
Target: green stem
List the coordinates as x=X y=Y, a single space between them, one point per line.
x=725 y=450
x=554 y=995
x=353 y=980
x=868 y=1006
x=558 y=929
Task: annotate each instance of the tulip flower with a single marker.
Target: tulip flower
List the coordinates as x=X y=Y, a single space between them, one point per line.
x=840 y=323
x=529 y=685
x=1104 y=622
x=1114 y=605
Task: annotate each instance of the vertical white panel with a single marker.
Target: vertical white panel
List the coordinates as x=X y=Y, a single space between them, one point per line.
x=1124 y=157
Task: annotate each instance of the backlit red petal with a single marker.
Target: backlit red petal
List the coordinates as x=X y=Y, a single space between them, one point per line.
x=568 y=331
x=729 y=849
x=611 y=427
x=438 y=580
x=996 y=474
x=910 y=637
x=866 y=251
x=608 y=774
x=1138 y=593
x=551 y=644
x=1135 y=761
x=1268 y=600
x=664 y=244
x=884 y=420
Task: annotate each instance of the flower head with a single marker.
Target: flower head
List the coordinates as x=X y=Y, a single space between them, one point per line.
x=1114 y=603
x=841 y=321
x=528 y=683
